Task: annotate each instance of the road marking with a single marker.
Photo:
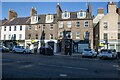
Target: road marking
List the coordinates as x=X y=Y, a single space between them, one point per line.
x=26 y=66
x=115 y=65
x=64 y=66
x=118 y=69
x=63 y=75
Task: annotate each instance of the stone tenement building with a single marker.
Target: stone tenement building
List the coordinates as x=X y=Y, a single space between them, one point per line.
x=47 y=29
x=107 y=28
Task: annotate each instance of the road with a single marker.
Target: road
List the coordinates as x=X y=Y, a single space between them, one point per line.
x=57 y=66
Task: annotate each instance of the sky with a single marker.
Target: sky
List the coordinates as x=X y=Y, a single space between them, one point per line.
x=23 y=8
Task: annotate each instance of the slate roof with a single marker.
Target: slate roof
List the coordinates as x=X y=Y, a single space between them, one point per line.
x=73 y=16
x=2 y=22
x=19 y=21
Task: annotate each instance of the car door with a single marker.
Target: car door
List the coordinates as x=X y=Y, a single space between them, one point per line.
x=21 y=49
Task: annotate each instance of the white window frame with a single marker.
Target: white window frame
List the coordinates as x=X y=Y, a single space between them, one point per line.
x=65 y=17
x=34 y=19
x=9 y=28
x=77 y=35
x=83 y=14
x=105 y=25
x=69 y=24
x=21 y=27
x=51 y=18
x=4 y=28
x=60 y=25
x=20 y=36
x=4 y=36
x=85 y=24
x=9 y=37
x=15 y=28
x=36 y=27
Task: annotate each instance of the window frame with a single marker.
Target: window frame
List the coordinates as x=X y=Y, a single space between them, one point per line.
x=4 y=36
x=30 y=27
x=15 y=28
x=9 y=28
x=51 y=27
x=9 y=37
x=51 y=37
x=78 y=24
x=61 y=25
x=21 y=28
x=69 y=24
x=105 y=25
x=20 y=36
x=85 y=24
x=104 y=36
x=77 y=35
x=118 y=35
x=29 y=36
x=36 y=36
x=4 y=28
x=85 y=35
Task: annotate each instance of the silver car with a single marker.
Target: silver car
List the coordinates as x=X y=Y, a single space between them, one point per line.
x=89 y=53
x=20 y=49
x=107 y=53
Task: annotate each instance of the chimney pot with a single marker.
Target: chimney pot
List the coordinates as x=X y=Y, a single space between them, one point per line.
x=100 y=11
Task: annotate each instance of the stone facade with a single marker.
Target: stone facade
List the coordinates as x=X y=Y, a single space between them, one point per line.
x=108 y=29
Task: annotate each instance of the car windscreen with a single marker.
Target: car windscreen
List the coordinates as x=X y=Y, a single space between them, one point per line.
x=104 y=50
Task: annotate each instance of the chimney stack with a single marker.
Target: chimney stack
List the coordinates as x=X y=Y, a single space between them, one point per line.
x=111 y=7
x=100 y=11
x=33 y=11
x=58 y=10
x=11 y=14
x=89 y=11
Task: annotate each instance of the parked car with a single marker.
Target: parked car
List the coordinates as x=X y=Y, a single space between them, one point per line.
x=4 y=49
x=89 y=53
x=107 y=53
x=20 y=49
x=46 y=50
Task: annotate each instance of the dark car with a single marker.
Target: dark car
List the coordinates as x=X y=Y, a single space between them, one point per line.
x=46 y=50
x=4 y=49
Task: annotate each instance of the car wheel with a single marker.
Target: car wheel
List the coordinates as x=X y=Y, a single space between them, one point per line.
x=100 y=57
x=24 y=52
x=14 y=51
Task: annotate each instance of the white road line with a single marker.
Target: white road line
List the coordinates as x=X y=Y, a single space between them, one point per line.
x=116 y=66
x=118 y=69
x=63 y=75
x=64 y=66
x=26 y=66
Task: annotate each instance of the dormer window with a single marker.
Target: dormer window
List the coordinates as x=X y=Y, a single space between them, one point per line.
x=65 y=15
x=34 y=19
x=81 y=14
x=49 y=18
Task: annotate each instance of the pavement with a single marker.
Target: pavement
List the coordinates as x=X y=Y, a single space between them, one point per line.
x=57 y=66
